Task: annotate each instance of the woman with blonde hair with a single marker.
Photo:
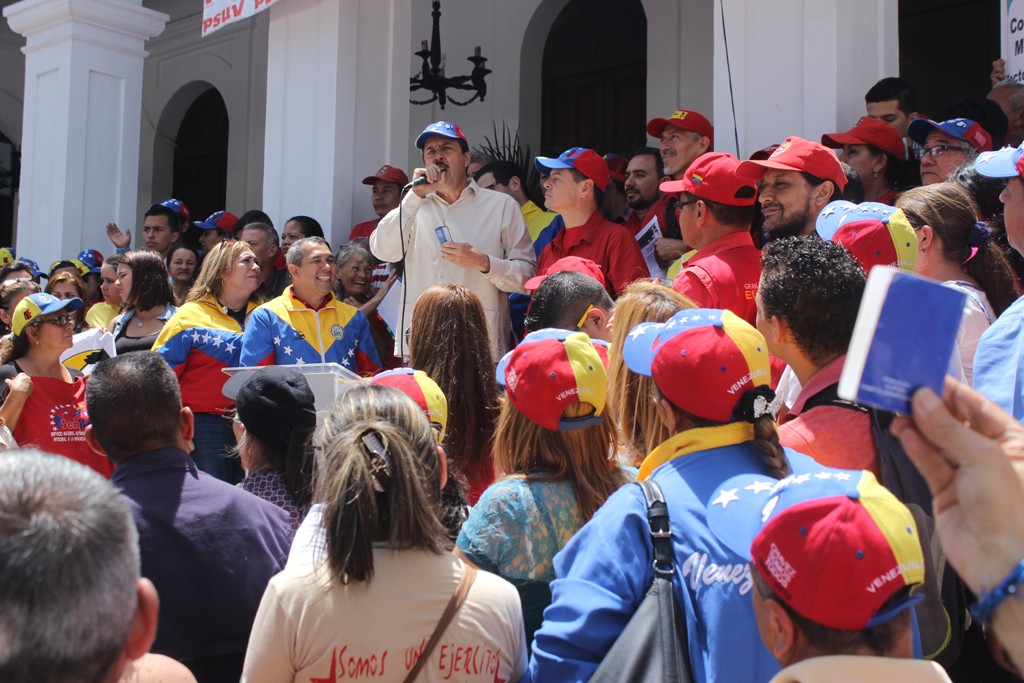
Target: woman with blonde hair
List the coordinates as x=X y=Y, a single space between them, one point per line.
x=205 y=336
x=555 y=445
x=373 y=602
x=955 y=249
x=448 y=340
x=629 y=393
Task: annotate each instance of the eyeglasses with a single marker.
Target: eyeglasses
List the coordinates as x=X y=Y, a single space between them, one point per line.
x=680 y=205
x=583 y=318
x=937 y=151
x=59 y=321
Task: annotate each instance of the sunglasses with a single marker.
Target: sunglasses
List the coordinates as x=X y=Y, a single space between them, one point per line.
x=59 y=321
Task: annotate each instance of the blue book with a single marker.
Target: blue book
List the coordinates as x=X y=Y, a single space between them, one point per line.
x=903 y=340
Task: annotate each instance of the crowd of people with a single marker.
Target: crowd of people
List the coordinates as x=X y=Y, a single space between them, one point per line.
x=467 y=507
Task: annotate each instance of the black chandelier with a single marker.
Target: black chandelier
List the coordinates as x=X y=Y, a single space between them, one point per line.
x=432 y=76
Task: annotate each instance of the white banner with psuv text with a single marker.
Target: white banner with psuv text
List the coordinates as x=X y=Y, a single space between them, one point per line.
x=219 y=13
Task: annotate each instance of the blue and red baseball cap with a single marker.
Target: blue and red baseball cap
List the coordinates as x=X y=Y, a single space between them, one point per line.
x=92 y=259
x=834 y=545
x=421 y=388
x=177 y=206
x=446 y=128
x=702 y=360
x=1005 y=163
x=219 y=220
x=683 y=119
x=41 y=303
x=875 y=234
x=586 y=161
x=553 y=369
x=712 y=177
x=967 y=130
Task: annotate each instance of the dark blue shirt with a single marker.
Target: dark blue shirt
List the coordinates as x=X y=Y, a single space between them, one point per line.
x=209 y=548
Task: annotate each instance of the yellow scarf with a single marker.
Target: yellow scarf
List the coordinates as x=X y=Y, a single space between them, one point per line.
x=695 y=440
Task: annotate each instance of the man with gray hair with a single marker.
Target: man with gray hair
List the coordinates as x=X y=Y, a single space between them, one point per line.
x=266 y=244
x=307 y=323
x=1009 y=95
x=73 y=607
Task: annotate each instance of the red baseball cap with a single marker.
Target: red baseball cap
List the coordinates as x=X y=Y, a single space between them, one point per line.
x=576 y=264
x=616 y=164
x=684 y=120
x=797 y=154
x=763 y=153
x=551 y=370
x=584 y=160
x=869 y=131
x=389 y=174
x=712 y=177
x=219 y=220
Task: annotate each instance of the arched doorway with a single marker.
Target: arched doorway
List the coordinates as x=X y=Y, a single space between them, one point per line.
x=10 y=172
x=594 y=73
x=201 y=156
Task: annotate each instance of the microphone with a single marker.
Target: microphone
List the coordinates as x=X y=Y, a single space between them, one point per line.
x=422 y=180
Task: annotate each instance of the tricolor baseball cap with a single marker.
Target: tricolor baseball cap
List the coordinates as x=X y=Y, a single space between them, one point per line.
x=1005 y=163
x=69 y=262
x=92 y=259
x=445 y=128
x=7 y=255
x=389 y=174
x=219 y=220
x=178 y=207
x=869 y=131
x=797 y=154
x=576 y=264
x=702 y=360
x=421 y=388
x=551 y=370
x=967 y=130
x=874 y=234
x=35 y=305
x=834 y=545
x=586 y=161
x=683 y=119
x=712 y=177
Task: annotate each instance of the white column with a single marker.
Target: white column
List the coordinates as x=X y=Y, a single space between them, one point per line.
x=83 y=102
x=337 y=106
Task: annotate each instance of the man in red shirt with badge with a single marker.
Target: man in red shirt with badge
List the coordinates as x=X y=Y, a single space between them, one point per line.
x=573 y=185
x=715 y=210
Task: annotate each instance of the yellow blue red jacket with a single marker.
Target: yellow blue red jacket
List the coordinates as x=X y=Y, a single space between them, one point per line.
x=199 y=341
x=285 y=331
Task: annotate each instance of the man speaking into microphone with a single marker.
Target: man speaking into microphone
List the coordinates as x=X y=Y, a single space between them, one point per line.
x=448 y=229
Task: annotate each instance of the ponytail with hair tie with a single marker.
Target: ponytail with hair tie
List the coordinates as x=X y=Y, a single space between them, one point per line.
x=756 y=403
x=976 y=237
x=375 y=447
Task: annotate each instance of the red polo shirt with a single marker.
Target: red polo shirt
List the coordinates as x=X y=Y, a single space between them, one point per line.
x=609 y=245
x=363 y=229
x=725 y=275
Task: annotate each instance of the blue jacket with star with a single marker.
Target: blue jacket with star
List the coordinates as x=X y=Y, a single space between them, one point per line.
x=285 y=331
x=198 y=342
x=605 y=571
